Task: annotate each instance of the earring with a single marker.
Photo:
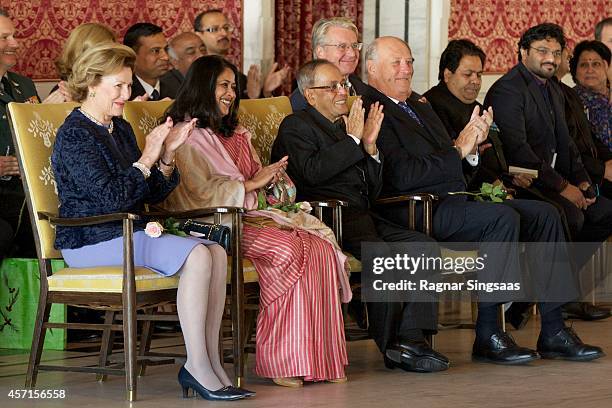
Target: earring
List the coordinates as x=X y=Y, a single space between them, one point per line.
x=92 y=94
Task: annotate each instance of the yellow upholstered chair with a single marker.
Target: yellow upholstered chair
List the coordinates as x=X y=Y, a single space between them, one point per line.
x=114 y=289
x=262 y=117
x=144 y=116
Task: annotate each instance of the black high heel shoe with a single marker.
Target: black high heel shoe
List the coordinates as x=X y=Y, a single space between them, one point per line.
x=244 y=391
x=187 y=381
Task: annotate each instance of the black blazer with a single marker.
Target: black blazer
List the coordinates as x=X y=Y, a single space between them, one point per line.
x=168 y=87
x=417 y=159
x=326 y=163
x=94 y=175
x=531 y=133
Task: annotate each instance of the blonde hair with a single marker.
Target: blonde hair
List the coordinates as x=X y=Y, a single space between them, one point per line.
x=81 y=38
x=103 y=59
x=319 y=30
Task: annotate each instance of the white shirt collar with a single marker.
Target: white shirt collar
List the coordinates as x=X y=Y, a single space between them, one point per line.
x=148 y=88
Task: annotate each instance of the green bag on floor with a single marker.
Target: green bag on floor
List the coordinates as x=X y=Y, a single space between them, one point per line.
x=19 y=292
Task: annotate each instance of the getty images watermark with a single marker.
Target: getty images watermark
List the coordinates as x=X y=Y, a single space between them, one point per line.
x=458 y=264
x=494 y=271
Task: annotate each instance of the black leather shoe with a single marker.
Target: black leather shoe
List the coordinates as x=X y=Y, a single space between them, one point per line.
x=500 y=348
x=244 y=391
x=187 y=382
x=585 y=311
x=567 y=345
x=415 y=356
x=518 y=314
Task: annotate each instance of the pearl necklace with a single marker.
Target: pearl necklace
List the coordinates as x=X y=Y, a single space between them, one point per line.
x=97 y=122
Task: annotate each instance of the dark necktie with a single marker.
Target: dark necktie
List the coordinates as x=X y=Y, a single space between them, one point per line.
x=406 y=108
x=154 y=95
x=7 y=86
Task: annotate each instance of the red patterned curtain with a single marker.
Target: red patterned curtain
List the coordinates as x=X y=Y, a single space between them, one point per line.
x=496 y=25
x=43 y=25
x=293 y=27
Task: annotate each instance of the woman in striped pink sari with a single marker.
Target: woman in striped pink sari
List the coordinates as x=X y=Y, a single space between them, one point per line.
x=300 y=331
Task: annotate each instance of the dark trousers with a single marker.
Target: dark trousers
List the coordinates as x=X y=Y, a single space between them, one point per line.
x=552 y=271
x=590 y=227
x=494 y=228
x=16 y=237
x=391 y=321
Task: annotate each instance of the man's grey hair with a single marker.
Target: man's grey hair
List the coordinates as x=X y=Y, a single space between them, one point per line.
x=371 y=53
x=308 y=73
x=4 y=13
x=319 y=30
x=600 y=26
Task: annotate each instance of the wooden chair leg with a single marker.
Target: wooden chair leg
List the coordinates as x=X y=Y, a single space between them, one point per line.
x=129 y=312
x=106 y=345
x=38 y=338
x=237 y=298
x=502 y=316
x=145 y=342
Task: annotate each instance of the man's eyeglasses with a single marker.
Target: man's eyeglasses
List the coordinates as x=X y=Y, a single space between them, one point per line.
x=543 y=52
x=344 y=46
x=334 y=87
x=215 y=29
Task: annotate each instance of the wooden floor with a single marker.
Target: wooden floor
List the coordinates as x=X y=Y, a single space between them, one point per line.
x=466 y=384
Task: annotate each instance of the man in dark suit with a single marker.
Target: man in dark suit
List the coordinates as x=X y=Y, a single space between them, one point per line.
x=420 y=156
x=335 y=39
x=530 y=113
x=333 y=159
x=149 y=43
x=15 y=231
x=215 y=30
x=453 y=99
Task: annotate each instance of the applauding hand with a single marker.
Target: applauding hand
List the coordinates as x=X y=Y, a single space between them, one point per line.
x=266 y=175
x=372 y=127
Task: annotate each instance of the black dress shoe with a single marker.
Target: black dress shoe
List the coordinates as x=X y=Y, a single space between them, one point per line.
x=567 y=345
x=187 y=382
x=415 y=356
x=500 y=348
x=518 y=314
x=585 y=311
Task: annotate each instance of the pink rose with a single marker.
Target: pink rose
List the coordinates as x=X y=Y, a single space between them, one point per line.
x=154 y=229
x=305 y=206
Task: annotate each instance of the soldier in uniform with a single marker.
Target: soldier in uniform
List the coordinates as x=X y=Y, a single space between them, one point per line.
x=15 y=232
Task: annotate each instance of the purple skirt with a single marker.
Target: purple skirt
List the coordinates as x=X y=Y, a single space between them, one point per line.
x=164 y=255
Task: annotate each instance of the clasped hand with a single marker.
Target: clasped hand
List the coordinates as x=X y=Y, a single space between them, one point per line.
x=475 y=132
x=164 y=140
x=266 y=175
x=366 y=131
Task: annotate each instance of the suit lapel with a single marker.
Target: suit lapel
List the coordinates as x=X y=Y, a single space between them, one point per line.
x=137 y=89
x=536 y=94
x=6 y=98
x=408 y=126
x=328 y=128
